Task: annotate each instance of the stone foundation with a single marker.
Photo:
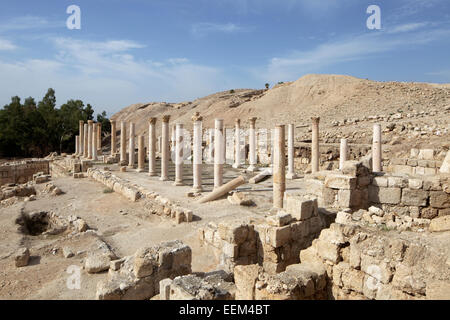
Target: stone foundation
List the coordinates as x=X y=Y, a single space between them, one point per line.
x=22 y=171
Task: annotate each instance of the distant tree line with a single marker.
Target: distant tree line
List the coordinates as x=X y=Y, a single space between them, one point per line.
x=35 y=130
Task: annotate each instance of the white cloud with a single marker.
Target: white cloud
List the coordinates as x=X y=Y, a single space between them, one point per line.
x=291 y=66
x=108 y=75
x=205 y=28
x=6 y=45
x=29 y=22
x=408 y=27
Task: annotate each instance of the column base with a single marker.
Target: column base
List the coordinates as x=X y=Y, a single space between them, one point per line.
x=237 y=166
x=291 y=176
x=164 y=179
x=178 y=183
x=251 y=168
x=197 y=190
x=152 y=174
x=140 y=170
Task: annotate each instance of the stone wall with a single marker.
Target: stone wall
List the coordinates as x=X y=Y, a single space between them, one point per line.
x=362 y=263
x=138 y=277
x=420 y=162
x=22 y=171
x=274 y=243
x=152 y=201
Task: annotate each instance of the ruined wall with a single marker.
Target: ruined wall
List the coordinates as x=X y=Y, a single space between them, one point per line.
x=363 y=263
x=22 y=171
x=420 y=162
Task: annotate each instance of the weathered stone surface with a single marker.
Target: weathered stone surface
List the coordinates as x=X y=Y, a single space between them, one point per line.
x=414 y=197
x=340 y=181
x=439 y=199
x=22 y=257
x=96 y=263
x=301 y=208
x=245 y=278
x=384 y=195
x=445 y=167
x=440 y=224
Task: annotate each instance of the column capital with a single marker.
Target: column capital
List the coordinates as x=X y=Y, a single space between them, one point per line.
x=197 y=117
x=112 y=121
x=315 y=119
x=252 y=120
x=237 y=121
x=90 y=121
x=166 y=118
x=81 y=121
x=152 y=120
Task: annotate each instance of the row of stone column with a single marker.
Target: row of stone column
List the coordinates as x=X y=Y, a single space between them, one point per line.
x=279 y=167
x=88 y=141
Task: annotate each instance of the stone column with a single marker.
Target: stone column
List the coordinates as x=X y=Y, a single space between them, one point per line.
x=113 y=137
x=123 y=143
x=291 y=170
x=315 y=154
x=141 y=154
x=152 y=147
x=219 y=153
x=343 y=153
x=90 y=135
x=131 y=147
x=94 y=141
x=165 y=152
x=279 y=169
x=210 y=156
x=252 y=145
x=179 y=155
x=77 y=145
x=81 y=138
x=173 y=138
x=197 y=153
x=237 y=144
x=85 y=140
x=376 y=148
x=99 y=136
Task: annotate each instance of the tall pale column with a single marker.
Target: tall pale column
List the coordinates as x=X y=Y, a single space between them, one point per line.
x=173 y=139
x=77 y=145
x=85 y=140
x=252 y=145
x=197 y=153
x=113 y=137
x=141 y=154
x=152 y=147
x=90 y=135
x=219 y=153
x=123 y=143
x=315 y=155
x=237 y=144
x=179 y=155
x=210 y=155
x=343 y=153
x=279 y=169
x=376 y=148
x=291 y=171
x=99 y=135
x=94 y=141
x=81 y=138
x=165 y=152
x=131 y=147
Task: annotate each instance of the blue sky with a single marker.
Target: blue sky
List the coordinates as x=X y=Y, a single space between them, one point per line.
x=175 y=50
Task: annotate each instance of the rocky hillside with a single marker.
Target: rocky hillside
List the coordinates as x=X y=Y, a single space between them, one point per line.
x=347 y=106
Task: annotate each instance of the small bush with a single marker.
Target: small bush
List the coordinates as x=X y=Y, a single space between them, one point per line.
x=232 y=91
x=108 y=190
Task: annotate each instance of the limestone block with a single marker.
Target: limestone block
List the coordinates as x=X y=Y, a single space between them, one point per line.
x=328 y=251
x=384 y=195
x=340 y=181
x=380 y=182
x=279 y=220
x=440 y=224
x=426 y=154
x=278 y=237
x=445 y=167
x=415 y=184
x=300 y=229
x=414 y=197
x=439 y=199
x=22 y=257
x=397 y=182
x=402 y=169
x=245 y=278
x=301 y=208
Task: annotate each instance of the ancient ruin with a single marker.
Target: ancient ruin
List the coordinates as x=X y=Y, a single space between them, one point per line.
x=219 y=213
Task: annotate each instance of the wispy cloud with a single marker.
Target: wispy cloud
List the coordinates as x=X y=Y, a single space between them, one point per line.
x=347 y=49
x=29 y=22
x=109 y=73
x=205 y=28
x=6 y=45
x=408 y=27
